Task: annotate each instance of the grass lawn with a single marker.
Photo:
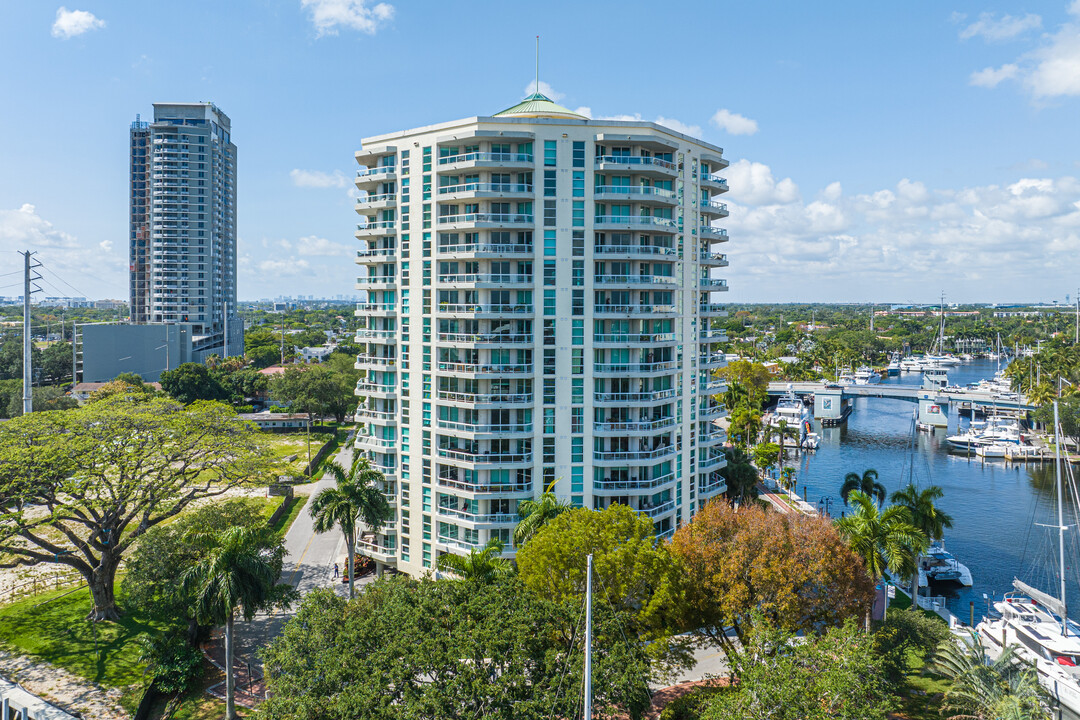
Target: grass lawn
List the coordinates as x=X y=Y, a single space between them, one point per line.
x=53 y=627
x=286 y=520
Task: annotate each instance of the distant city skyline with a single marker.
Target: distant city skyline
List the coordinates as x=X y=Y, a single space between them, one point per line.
x=877 y=152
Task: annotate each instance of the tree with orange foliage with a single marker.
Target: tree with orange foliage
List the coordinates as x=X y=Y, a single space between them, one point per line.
x=792 y=570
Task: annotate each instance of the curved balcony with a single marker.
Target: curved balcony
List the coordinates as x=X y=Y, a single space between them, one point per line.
x=622 y=398
x=379 y=553
x=372 y=175
x=376 y=390
x=468 y=251
x=642 y=194
x=470 y=460
x=486 y=279
x=712 y=483
x=376 y=444
x=635 y=310
x=482 y=401
x=378 y=417
x=485 y=159
x=613 y=486
x=711 y=412
x=713 y=284
x=485 y=429
x=381 y=337
x=646 y=223
x=486 y=339
x=374 y=362
x=714 y=182
x=714 y=437
x=648 y=368
x=376 y=309
x=469 y=519
x=480 y=370
x=485 y=487
x=634 y=280
x=712 y=361
x=637 y=251
x=713 y=335
x=633 y=338
x=715 y=386
x=477 y=311
x=713 y=208
x=465 y=191
x=714 y=234
x=376 y=255
x=376 y=282
x=714 y=461
x=713 y=259
x=632 y=427
x=633 y=457
x=468 y=221
x=376 y=228
x=373 y=201
x=657 y=510
x=712 y=310
x=635 y=165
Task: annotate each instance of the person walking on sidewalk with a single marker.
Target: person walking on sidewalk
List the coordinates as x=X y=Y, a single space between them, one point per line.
x=336 y=571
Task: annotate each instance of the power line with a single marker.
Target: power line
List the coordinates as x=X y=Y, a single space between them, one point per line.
x=57 y=276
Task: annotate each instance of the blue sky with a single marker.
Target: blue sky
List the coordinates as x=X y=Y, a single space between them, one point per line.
x=880 y=152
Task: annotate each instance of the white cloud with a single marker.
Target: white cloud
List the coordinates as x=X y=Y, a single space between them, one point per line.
x=990 y=77
x=328 y=15
x=1050 y=70
x=320 y=247
x=318 y=178
x=677 y=126
x=734 y=123
x=992 y=29
x=584 y=110
x=70 y=23
x=903 y=242
x=545 y=89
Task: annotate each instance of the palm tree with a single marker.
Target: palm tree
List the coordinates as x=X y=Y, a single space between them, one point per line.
x=867 y=484
x=485 y=565
x=355 y=498
x=238 y=573
x=788 y=475
x=884 y=539
x=535 y=514
x=1002 y=689
x=784 y=431
x=925 y=515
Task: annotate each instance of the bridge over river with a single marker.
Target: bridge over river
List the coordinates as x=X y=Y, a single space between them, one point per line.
x=833 y=403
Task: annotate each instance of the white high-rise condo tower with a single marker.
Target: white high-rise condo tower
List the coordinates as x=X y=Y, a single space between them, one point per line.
x=540 y=296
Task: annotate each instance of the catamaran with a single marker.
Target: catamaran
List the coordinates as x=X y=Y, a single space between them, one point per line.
x=1037 y=622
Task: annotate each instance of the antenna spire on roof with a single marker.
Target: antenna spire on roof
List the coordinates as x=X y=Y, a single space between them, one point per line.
x=536 y=88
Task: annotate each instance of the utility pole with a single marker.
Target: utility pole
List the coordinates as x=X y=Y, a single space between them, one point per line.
x=28 y=370
x=587 y=714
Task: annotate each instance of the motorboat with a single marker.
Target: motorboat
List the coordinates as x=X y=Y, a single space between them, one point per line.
x=866 y=376
x=894 y=364
x=791 y=409
x=912 y=364
x=938 y=565
x=991 y=451
x=811 y=441
x=1037 y=622
x=846 y=377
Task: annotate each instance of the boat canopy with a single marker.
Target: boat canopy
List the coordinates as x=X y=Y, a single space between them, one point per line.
x=1048 y=601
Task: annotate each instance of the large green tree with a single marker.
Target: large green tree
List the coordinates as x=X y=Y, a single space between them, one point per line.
x=238 y=572
x=317 y=390
x=56 y=361
x=434 y=650
x=79 y=487
x=190 y=382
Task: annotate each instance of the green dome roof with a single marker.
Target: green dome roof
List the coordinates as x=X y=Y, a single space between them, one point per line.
x=538 y=105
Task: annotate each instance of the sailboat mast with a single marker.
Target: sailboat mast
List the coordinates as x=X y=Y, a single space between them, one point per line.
x=587 y=710
x=1061 y=522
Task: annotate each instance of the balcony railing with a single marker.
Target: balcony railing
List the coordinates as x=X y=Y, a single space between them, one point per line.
x=486 y=187
x=370 y=388
x=642 y=190
x=473 y=309
x=500 y=218
x=636 y=161
x=371 y=199
x=493 y=248
x=484 y=458
x=486 y=398
x=634 y=338
x=711 y=411
x=713 y=232
x=633 y=483
x=375 y=361
x=373 y=172
x=645 y=221
x=713 y=483
x=485 y=428
x=634 y=279
x=712 y=461
x=492 y=338
x=497 y=518
x=379 y=280
x=486 y=157
x=713 y=179
x=634 y=426
x=714 y=283
x=635 y=367
x=485 y=486
x=363 y=334
x=377 y=253
x=658 y=510
x=711 y=309
x=375 y=307
x=376 y=442
x=369 y=414
x=713 y=206
x=718 y=258
x=376 y=226
x=485 y=278
x=633 y=455
x=503 y=369
x=633 y=397
x=634 y=250
x=605 y=309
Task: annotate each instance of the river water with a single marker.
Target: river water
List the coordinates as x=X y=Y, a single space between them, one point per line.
x=996 y=507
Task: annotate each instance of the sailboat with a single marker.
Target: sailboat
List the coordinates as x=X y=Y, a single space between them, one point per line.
x=1038 y=623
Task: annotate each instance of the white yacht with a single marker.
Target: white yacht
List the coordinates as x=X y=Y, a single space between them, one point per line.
x=1037 y=623
x=866 y=376
x=980 y=434
x=938 y=565
x=894 y=364
x=912 y=364
x=991 y=451
x=791 y=409
x=811 y=441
